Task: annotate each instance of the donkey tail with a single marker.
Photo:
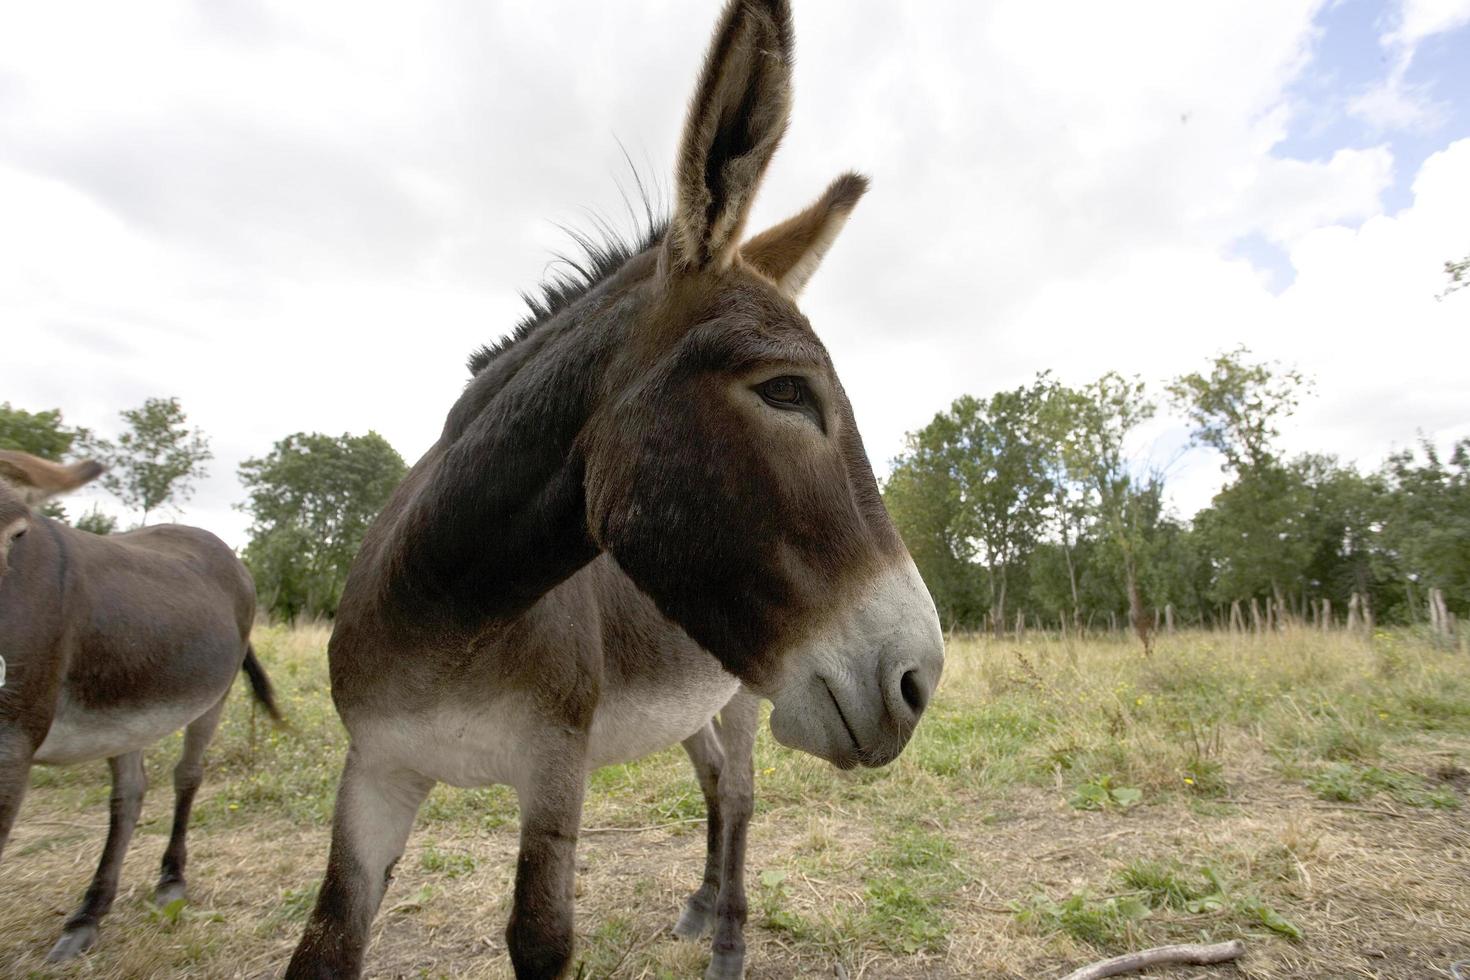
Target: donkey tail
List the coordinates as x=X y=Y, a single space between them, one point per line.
x=260 y=685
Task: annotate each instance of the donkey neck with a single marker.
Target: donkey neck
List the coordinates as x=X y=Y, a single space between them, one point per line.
x=494 y=516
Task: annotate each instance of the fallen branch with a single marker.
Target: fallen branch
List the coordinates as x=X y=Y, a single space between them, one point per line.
x=1188 y=953
x=643 y=829
x=1375 y=811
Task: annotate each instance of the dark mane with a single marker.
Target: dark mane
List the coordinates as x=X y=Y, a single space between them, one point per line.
x=600 y=255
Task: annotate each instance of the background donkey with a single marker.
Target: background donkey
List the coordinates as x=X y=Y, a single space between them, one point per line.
x=109 y=644
x=661 y=466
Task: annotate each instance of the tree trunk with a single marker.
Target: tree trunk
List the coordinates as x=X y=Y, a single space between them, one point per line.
x=1325 y=616
x=1072 y=581
x=1136 y=612
x=998 y=601
x=1354 y=614
x=1441 y=622
x=1255 y=616
x=1237 y=620
x=1169 y=618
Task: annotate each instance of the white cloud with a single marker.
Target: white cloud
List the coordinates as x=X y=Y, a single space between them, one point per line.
x=1419 y=19
x=1395 y=102
x=304 y=216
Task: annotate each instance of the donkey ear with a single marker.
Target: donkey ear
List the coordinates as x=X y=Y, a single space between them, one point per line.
x=790 y=252
x=736 y=119
x=36 y=479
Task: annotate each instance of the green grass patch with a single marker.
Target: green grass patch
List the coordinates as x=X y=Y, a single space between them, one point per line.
x=1107 y=923
x=1346 y=783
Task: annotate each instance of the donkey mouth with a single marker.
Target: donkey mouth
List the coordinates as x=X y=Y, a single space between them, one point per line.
x=845 y=761
x=813 y=717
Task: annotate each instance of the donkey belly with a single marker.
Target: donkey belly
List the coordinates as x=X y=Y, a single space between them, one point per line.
x=79 y=734
x=462 y=742
x=497 y=740
x=632 y=723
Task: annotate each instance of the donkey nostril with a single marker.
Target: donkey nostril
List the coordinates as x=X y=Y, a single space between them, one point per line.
x=914 y=694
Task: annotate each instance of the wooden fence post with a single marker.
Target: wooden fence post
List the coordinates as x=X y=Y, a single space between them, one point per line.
x=1441 y=620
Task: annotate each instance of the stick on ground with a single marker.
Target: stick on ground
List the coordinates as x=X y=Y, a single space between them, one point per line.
x=1187 y=953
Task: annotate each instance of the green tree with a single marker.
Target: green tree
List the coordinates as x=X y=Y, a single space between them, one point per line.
x=157 y=458
x=923 y=501
x=38 y=433
x=1236 y=407
x=1103 y=418
x=972 y=491
x=311 y=500
x=1070 y=492
x=1256 y=524
x=96 y=522
x=1426 y=525
x=1458 y=273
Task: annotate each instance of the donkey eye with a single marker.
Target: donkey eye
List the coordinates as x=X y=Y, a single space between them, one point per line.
x=782 y=391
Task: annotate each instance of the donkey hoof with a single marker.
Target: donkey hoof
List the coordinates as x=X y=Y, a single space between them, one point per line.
x=77 y=939
x=167 y=893
x=726 y=965
x=693 y=923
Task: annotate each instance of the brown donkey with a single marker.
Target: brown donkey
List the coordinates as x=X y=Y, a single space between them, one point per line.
x=107 y=645
x=653 y=493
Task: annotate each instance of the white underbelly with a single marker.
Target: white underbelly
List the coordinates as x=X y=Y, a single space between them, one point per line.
x=78 y=734
x=628 y=726
x=496 y=741
x=462 y=745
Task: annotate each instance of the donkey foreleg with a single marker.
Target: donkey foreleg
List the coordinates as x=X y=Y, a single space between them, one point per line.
x=539 y=934
x=188 y=774
x=708 y=758
x=129 y=783
x=739 y=721
x=374 y=814
x=16 y=751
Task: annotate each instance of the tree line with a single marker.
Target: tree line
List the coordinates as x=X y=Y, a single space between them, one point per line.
x=310 y=498
x=1028 y=506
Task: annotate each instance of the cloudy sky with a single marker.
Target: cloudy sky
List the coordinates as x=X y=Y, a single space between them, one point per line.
x=304 y=215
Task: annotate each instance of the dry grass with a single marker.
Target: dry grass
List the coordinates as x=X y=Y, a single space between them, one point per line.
x=1297 y=783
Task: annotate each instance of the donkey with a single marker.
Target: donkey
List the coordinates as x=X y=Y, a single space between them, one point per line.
x=109 y=644
x=652 y=493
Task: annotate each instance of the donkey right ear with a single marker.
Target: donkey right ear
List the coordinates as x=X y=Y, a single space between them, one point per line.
x=36 y=479
x=739 y=113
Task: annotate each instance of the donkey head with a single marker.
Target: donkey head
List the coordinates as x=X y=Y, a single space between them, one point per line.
x=26 y=480
x=724 y=471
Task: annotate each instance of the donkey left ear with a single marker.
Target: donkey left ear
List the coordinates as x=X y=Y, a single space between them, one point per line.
x=738 y=115
x=790 y=252
x=36 y=479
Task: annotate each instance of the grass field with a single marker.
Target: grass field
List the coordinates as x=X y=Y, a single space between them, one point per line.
x=1060 y=802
